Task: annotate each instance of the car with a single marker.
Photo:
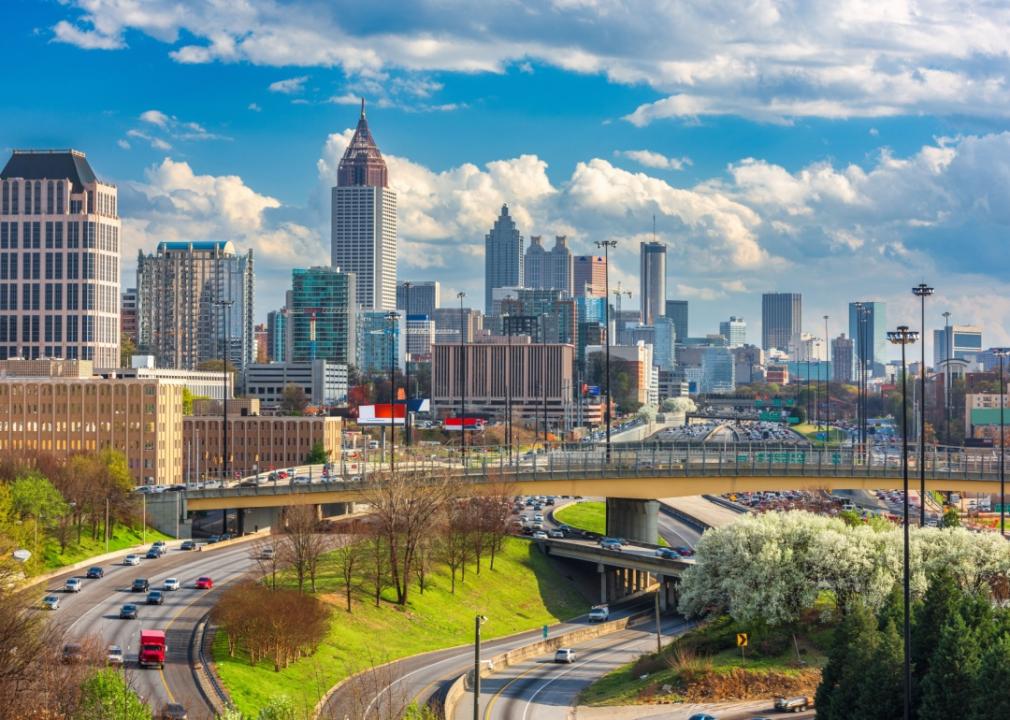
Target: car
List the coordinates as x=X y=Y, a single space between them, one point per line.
x=267 y=553
x=72 y=653
x=667 y=553
x=51 y=602
x=538 y=518
x=251 y=482
x=301 y=480
x=610 y=544
x=114 y=655
x=564 y=655
x=73 y=585
x=701 y=716
x=225 y=536
x=171 y=584
x=160 y=544
x=539 y=535
x=128 y=612
x=566 y=529
x=131 y=560
x=173 y=711
x=188 y=545
x=155 y=597
x=555 y=533
x=140 y=585
x=550 y=500
x=204 y=583
x=213 y=539
x=684 y=550
x=599 y=613
x=153 y=554
x=95 y=573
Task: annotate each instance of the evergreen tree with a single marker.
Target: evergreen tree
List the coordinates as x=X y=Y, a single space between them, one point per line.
x=940 y=602
x=991 y=697
x=882 y=692
x=949 y=686
x=893 y=610
x=854 y=638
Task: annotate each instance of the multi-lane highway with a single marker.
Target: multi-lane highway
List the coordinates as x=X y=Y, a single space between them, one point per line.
x=94 y=613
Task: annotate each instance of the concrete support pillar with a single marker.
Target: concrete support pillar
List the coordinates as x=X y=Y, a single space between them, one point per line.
x=635 y=520
x=664 y=604
x=612 y=584
x=603 y=583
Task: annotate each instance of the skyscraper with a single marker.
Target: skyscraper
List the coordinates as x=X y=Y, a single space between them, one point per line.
x=322 y=318
x=676 y=310
x=59 y=259
x=963 y=342
x=363 y=227
x=589 y=275
x=277 y=332
x=842 y=355
x=781 y=320
x=182 y=289
x=734 y=330
x=653 y=281
x=874 y=334
x=419 y=298
x=549 y=270
x=503 y=257
x=128 y=314
x=381 y=341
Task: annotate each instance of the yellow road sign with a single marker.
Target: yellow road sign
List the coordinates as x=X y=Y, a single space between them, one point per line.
x=741 y=639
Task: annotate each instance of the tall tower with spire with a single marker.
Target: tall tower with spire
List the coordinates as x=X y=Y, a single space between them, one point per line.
x=363 y=220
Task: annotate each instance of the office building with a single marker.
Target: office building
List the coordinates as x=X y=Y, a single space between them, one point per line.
x=734 y=330
x=199 y=383
x=961 y=342
x=363 y=221
x=448 y=321
x=324 y=382
x=534 y=374
x=664 y=349
x=190 y=294
x=128 y=315
x=718 y=370
x=748 y=361
x=549 y=269
x=781 y=320
x=809 y=347
x=777 y=374
x=637 y=361
x=418 y=298
x=503 y=257
x=420 y=338
x=260 y=343
x=676 y=310
x=554 y=311
x=589 y=276
x=590 y=318
x=652 y=276
x=256 y=443
x=381 y=340
x=872 y=334
x=59 y=259
x=322 y=316
x=62 y=407
x=843 y=353
x=277 y=330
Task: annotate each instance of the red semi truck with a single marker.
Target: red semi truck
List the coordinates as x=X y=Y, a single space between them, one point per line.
x=152 y=648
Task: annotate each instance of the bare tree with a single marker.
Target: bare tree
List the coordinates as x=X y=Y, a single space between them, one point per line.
x=303 y=544
x=378 y=560
x=268 y=552
x=496 y=509
x=349 y=553
x=454 y=547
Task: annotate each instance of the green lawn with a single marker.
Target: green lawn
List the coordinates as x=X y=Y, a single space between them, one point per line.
x=122 y=537
x=523 y=592
x=810 y=432
x=588 y=515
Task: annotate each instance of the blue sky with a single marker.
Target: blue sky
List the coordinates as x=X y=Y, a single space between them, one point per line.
x=831 y=148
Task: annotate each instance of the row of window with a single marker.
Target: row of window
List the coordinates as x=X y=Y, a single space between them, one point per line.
x=88 y=235
x=78 y=296
x=35 y=352
x=52 y=195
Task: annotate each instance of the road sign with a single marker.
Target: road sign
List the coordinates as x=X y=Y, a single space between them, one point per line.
x=741 y=640
x=545 y=632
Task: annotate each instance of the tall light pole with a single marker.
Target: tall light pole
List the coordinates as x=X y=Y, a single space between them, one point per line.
x=827 y=386
x=226 y=456
x=477 y=622
x=392 y=317
x=922 y=291
x=462 y=385
x=507 y=319
x=606 y=245
x=406 y=366
x=903 y=336
x=543 y=371
x=948 y=341
x=1002 y=353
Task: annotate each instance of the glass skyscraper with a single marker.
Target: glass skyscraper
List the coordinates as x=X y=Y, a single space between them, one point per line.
x=503 y=258
x=321 y=315
x=873 y=335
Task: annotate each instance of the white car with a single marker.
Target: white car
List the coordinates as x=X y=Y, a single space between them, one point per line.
x=131 y=560
x=556 y=534
x=599 y=613
x=171 y=584
x=73 y=585
x=539 y=535
x=301 y=480
x=564 y=655
x=114 y=655
x=51 y=602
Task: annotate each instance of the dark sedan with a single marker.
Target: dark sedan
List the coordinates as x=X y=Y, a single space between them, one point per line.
x=140 y=585
x=95 y=573
x=155 y=598
x=128 y=612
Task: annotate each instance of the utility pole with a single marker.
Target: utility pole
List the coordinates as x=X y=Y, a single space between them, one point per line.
x=462 y=387
x=922 y=290
x=226 y=455
x=827 y=386
x=478 y=621
x=606 y=245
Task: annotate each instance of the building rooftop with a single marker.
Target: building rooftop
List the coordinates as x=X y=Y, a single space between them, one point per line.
x=222 y=246
x=362 y=163
x=50 y=165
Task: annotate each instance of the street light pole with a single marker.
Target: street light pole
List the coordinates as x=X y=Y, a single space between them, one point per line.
x=948 y=341
x=903 y=336
x=477 y=622
x=406 y=367
x=827 y=387
x=225 y=458
x=462 y=386
x=507 y=319
x=543 y=371
x=392 y=317
x=606 y=245
x=922 y=291
x=1002 y=353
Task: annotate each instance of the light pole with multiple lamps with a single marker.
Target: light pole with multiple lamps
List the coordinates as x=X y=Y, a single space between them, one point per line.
x=477 y=622
x=225 y=456
x=827 y=385
x=507 y=319
x=406 y=366
x=948 y=341
x=393 y=343
x=606 y=245
x=922 y=291
x=1002 y=353
x=904 y=337
x=462 y=385
x=543 y=371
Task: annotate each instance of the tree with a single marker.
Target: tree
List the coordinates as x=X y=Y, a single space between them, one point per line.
x=293 y=400
x=303 y=544
x=348 y=553
x=107 y=696
x=949 y=686
x=850 y=650
x=127 y=349
x=882 y=698
x=318 y=455
x=951 y=518
x=990 y=697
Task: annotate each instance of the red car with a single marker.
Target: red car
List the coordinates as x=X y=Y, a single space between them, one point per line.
x=204 y=583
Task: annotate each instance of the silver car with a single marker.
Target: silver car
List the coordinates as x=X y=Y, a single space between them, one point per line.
x=564 y=655
x=114 y=655
x=73 y=585
x=131 y=560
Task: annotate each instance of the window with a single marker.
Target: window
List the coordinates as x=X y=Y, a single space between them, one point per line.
x=58 y=325
x=72 y=298
x=59 y=236
x=58 y=271
x=73 y=234
x=75 y=207
x=59 y=198
x=91 y=201
x=36 y=266
x=58 y=298
x=49 y=266
x=6 y=206
x=72 y=327
x=38 y=197
x=28 y=198
x=15 y=189
x=36 y=235
x=49 y=299
x=35 y=296
x=72 y=266
x=14 y=236
x=89 y=235
x=49 y=235
x=50 y=197
x=5 y=237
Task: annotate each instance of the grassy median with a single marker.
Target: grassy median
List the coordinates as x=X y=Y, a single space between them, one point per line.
x=122 y=537
x=588 y=515
x=523 y=592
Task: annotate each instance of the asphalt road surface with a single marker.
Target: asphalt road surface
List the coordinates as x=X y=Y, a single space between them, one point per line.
x=94 y=613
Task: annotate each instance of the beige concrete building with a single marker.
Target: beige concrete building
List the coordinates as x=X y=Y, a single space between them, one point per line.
x=59 y=259
x=60 y=407
x=494 y=370
x=257 y=443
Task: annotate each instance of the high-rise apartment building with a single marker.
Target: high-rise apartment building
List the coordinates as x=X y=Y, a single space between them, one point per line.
x=128 y=314
x=260 y=343
x=652 y=278
x=449 y=320
x=589 y=275
x=872 y=334
x=781 y=320
x=842 y=356
x=664 y=352
x=382 y=341
x=503 y=257
x=277 y=335
x=734 y=330
x=676 y=310
x=963 y=342
x=322 y=316
x=59 y=259
x=363 y=221
x=420 y=338
x=190 y=294
x=418 y=298
x=549 y=269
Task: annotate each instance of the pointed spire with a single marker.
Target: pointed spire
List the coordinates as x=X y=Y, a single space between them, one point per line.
x=362 y=109
x=362 y=163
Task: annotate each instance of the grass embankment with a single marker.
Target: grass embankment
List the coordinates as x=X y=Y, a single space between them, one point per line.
x=122 y=537
x=523 y=592
x=705 y=665
x=813 y=432
x=589 y=515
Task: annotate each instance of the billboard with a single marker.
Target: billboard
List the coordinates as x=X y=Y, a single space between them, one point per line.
x=455 y=424
x=381 y=414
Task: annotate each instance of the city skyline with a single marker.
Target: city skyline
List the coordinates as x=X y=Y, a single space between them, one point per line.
x=748 y=199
